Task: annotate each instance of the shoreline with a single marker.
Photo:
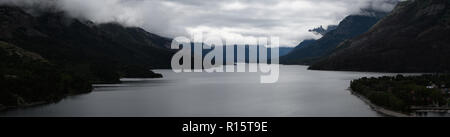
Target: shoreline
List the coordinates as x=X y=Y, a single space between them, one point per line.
x=379 y=109
x=33 y=104
x=4 y=108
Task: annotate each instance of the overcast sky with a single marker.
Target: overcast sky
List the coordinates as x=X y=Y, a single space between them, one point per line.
x=287 y=19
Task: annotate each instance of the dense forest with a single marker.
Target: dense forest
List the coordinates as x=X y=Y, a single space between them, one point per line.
x=27 y=78
x=401 y=92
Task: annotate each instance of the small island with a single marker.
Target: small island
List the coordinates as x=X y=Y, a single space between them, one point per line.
x=405 y=95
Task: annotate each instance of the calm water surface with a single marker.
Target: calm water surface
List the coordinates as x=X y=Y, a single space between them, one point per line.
x=299 y=92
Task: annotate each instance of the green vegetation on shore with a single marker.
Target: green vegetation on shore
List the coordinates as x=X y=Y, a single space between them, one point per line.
x=400 y=93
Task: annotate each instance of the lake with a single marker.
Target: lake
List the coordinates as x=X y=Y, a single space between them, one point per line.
x=298 y=93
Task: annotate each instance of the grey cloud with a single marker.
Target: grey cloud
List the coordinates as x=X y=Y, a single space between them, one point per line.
x=288 y=19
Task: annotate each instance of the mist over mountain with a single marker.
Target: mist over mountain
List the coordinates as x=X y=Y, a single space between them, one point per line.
x=309 y=51
x=222 y=18
x=104 y=52
x=322 y=31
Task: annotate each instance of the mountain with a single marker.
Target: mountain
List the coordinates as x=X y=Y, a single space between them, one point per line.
x=47 y=55
x=310 y=51
x=102 y=52
x=284 y=50
x=292 y=57
x=413 y=38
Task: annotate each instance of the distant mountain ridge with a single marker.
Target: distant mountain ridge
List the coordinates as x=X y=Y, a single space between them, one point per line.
x=242 y=59
x=413 y=38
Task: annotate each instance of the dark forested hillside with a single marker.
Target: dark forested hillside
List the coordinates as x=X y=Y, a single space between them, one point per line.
x=310 y=51
x=48 y=55
x=103 y=52
x=413 y=38
x=27 y=78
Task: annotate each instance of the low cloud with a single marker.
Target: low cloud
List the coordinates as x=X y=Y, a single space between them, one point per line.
x=288 y=19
